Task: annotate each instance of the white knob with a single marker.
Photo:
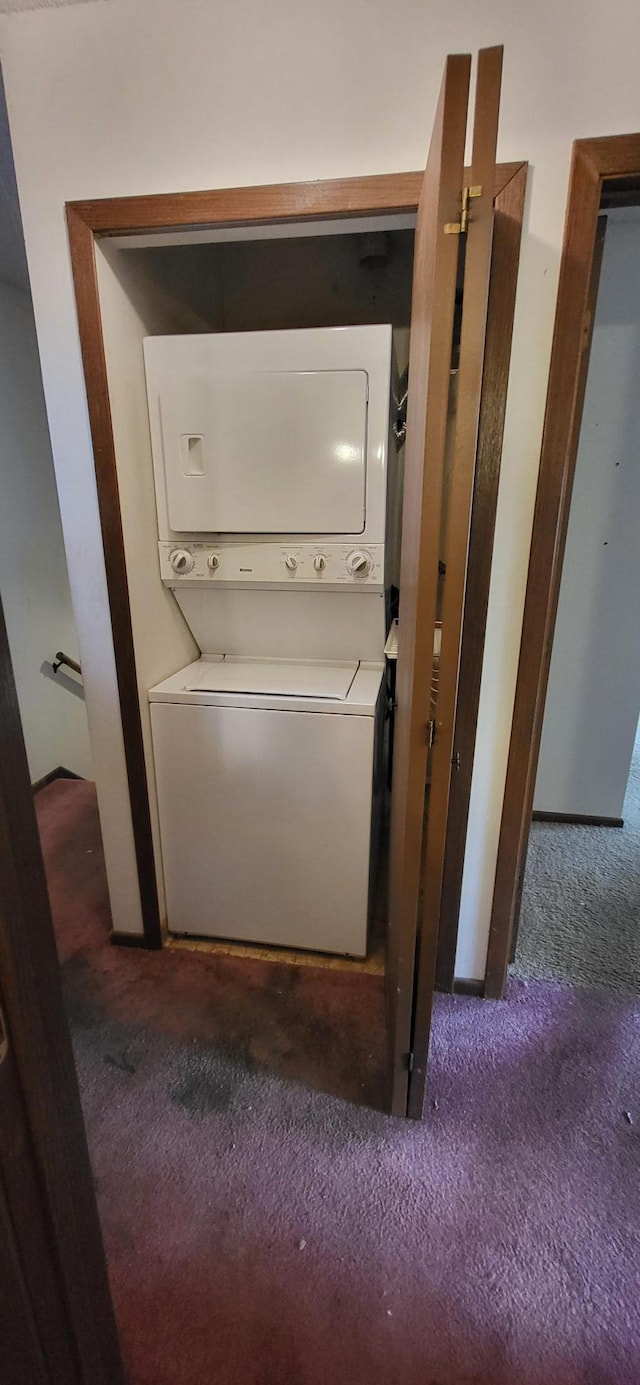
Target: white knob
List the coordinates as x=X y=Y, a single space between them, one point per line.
x=213 y=561
x=291 y=562
x=319 y=562
x=358 y=563
x=181 y=560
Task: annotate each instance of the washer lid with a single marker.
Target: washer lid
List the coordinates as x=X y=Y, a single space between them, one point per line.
x=276 y=677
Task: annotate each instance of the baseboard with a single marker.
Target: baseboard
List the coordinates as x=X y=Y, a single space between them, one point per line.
x=58 y=773
x=467 y=985
x=133 y=940
x=577 y=819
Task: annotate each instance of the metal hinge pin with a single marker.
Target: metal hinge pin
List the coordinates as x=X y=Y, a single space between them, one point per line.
x=457 y=228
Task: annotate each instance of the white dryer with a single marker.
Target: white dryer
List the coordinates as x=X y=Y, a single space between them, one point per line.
x=271 y=463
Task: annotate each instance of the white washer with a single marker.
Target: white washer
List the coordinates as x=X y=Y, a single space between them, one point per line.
x=264 y=773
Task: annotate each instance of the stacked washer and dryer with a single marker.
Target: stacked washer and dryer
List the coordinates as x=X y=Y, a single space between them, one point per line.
x=274 y=468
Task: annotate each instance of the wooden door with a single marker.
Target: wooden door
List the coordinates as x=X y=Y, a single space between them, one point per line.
x=453 y=244
x=56 y=1318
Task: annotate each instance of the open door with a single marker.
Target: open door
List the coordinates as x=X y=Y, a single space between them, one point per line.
x=56 y=1317
x=453 y=245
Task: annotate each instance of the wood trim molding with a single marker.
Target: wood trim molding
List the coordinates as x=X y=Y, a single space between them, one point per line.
x=384 y=194
x=91 y=220
x=467 y=985
x=127 y=939
x=594 y=161
x=274 y=202
x=576 y=819
x=509 y=213
x=58 y=773
x=83 y=260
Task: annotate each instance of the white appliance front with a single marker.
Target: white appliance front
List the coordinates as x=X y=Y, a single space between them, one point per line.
x=271 y=433
x=266 y=453
x=266 y=819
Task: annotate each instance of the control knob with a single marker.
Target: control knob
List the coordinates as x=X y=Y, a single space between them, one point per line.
x=319 y=562
x=213 y=561
x=358 y=563
x=291 y=562
x=181 y=561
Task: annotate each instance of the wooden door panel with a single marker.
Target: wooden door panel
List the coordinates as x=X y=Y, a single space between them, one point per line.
x=56 y=1259
x=477 y=266
x=33 y=1321
x=505 y=255
x=432 y=313
x=22 y=1358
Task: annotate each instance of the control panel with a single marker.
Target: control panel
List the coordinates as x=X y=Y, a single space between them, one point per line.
x=272 y=564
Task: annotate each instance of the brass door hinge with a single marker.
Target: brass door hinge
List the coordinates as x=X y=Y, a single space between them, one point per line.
x=457 y=228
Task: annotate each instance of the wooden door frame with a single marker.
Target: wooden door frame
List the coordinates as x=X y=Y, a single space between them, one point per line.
x=91 y=221
x=604 y=172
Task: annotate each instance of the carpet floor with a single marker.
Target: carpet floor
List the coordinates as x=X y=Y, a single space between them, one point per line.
x=266 y=1224
x=580 y=919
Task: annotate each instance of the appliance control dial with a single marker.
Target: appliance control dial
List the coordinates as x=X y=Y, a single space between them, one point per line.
x=213 y=561
x=319 y=562
x=181 y=560
x=291 y=562
x=358 y=563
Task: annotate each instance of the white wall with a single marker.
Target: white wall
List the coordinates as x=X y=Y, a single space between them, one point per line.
x=133 y=307
x=593 y=700
x=33 y=577
x=154 y=96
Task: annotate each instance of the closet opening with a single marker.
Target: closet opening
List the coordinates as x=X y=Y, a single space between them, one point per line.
x=252 y=765
x=572 y=753
x=579 y=918
x=201 y=281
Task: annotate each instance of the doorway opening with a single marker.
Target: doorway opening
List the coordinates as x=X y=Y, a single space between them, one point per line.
x=577 y=702
x=209 y=285
x=216 y=260
x=339 y=274
x=580 y=917
x=34 y=582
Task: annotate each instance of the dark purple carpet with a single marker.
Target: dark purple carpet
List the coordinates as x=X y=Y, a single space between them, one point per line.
x=264 y=1229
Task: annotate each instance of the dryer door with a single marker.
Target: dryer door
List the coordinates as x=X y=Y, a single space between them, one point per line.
x=280 y=452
